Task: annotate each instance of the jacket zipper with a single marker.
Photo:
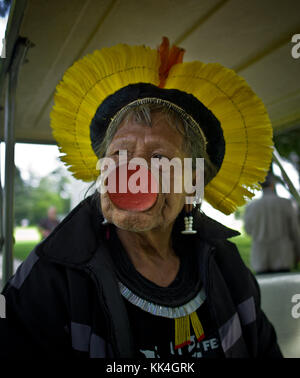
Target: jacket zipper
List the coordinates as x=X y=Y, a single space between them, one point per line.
x=104 y=309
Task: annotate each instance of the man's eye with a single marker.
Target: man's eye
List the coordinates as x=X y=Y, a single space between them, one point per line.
x=117 y=152
x=159 y=156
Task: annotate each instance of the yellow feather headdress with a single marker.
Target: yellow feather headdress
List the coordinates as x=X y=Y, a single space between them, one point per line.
x=244 y=120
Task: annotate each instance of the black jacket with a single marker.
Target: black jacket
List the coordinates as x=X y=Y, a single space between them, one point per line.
x=64 y=300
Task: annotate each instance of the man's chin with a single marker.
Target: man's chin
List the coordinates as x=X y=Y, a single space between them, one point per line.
x=134 y=221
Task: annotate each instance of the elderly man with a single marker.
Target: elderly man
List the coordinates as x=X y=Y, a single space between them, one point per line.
x=145 y=273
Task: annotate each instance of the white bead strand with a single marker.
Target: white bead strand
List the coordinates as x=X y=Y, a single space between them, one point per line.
x=188 y=223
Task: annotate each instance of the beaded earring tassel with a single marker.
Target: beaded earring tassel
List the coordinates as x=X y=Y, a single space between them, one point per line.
x=188 y=223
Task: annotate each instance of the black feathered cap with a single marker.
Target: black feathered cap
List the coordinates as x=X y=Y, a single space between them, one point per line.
x=186 y=104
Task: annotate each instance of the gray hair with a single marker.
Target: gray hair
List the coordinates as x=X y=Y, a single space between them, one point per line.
x=194 y=144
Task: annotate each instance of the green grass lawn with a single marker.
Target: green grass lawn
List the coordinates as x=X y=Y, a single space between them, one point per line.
x=243 y=243
x=26 y=238
x=23 y=248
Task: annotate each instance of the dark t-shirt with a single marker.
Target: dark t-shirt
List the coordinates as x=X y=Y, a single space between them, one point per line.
x=154 y=336
x=48 y=224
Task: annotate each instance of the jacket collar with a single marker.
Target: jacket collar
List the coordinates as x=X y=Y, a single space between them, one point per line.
x=209 y=229
x=77 y=237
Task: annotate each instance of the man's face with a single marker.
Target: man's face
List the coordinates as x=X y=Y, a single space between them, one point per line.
x=159 y=140
x=52 y=213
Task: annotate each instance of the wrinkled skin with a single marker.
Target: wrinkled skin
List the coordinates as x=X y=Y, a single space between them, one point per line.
x=146 y=235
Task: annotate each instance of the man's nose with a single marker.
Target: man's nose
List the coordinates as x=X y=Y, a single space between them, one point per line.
x=133 y=189
x=140 y=152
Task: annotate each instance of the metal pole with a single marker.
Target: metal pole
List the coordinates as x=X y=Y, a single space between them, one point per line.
x=8 y=211
x=9 y=137
x=293 y=190
x=1 y=209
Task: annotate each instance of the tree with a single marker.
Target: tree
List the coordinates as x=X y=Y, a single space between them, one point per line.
x=22 y=191
x=34 y=197
x=4 y=7
x=288 y=146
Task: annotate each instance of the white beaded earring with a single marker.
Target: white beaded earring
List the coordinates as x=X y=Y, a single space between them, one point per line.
x=188 y=220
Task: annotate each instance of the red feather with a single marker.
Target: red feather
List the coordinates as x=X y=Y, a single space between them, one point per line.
x=168 y=57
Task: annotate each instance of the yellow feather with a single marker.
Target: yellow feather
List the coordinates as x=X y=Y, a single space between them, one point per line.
x=83 y=88
x=246 y=127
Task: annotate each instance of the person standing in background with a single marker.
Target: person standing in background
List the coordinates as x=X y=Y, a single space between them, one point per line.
x=272 y=223
x=47 y=225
